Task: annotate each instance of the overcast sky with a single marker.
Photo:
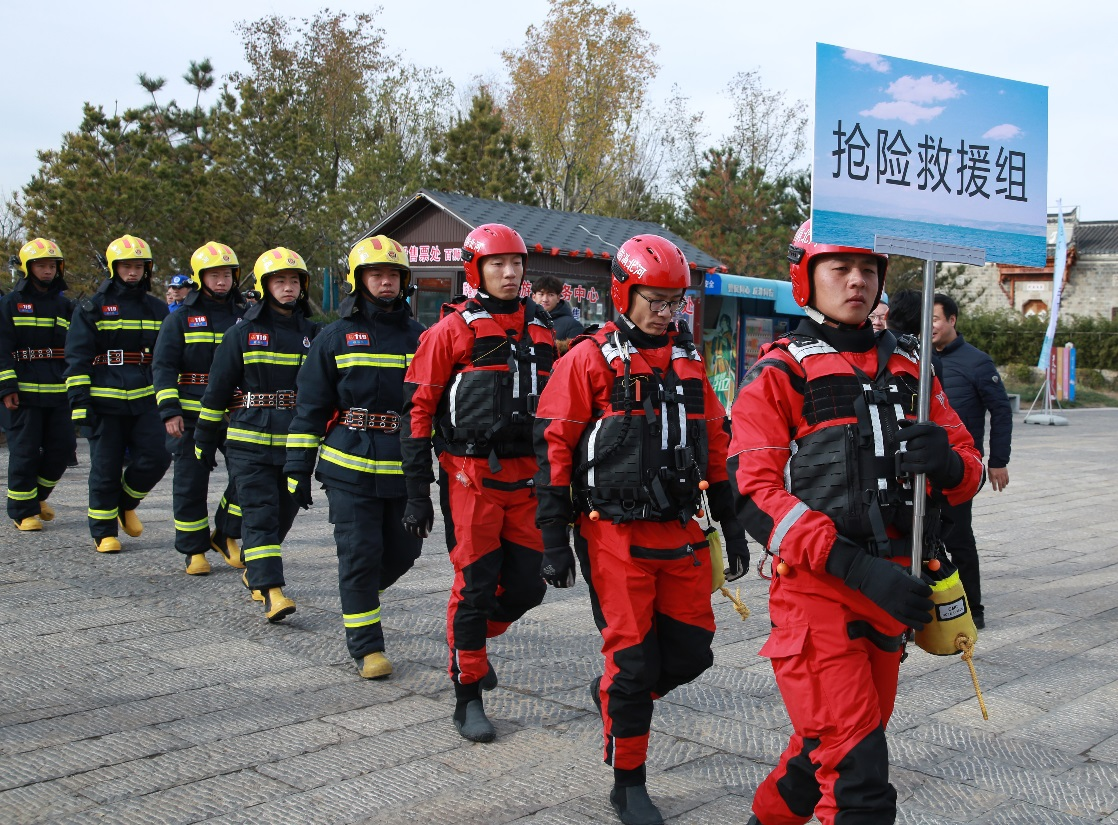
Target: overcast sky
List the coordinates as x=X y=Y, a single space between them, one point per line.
x=61 y=54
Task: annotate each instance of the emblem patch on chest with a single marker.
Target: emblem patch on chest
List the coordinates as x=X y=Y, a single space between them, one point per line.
x=357 y=339
x=196 y=321
x=258 y=339
x=27 y=308
x=110 y=309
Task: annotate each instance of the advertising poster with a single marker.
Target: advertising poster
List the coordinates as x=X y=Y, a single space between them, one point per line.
x=720 y=354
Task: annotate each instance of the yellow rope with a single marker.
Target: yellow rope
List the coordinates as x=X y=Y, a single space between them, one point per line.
x=964 y=643
x=739 y=605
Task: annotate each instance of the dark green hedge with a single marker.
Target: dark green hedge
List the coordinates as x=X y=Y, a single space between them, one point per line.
x=1010 y=338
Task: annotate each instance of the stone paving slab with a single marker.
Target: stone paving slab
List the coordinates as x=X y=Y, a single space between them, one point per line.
x=134 y=694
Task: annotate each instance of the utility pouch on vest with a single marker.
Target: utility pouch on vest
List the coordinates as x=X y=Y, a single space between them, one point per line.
x=951 y=616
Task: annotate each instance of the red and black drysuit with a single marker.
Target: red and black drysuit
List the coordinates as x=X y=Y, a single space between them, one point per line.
x=184 y=353
x=109 y=385
x=627 y=428
x=351 y=390
x=33 y=325
x=813 y=457
x=476 y=379
x=253 y=375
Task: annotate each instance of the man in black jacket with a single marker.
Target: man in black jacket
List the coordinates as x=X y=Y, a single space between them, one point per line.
x=547 y=292
x=973 y=388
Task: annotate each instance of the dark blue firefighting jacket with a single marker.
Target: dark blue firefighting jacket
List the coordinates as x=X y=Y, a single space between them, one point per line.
x=356 y=364
x=115 y=325
x=33 y=327
x=185 y=351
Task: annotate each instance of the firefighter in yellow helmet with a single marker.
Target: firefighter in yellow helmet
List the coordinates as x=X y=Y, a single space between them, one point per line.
x=355 y=371
x=109 y=383
x=253 y=377
x=34 y=320
x=183 y=355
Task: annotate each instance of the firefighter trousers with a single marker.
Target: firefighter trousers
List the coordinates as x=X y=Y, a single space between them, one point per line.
x=40 y=443
x=190 y=490
x=374 y=551
x=497 y=554
x=267 y=513
x=652 y=607
x=113 y=488
x=837 y=674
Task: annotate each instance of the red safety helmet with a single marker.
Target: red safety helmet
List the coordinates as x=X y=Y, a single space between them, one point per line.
x=490 y=239
x=802 y=251
x=647 y=260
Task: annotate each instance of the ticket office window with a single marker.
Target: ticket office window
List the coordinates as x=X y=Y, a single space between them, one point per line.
x=431 y=293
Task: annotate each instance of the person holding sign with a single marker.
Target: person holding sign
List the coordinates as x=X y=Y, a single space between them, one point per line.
x=629 y=434
x=832 y=505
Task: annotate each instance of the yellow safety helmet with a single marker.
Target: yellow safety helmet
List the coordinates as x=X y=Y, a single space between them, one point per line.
x=213 y=254
x=379 y=250
x=40 y=249
x=129 y=248
x=277 y=260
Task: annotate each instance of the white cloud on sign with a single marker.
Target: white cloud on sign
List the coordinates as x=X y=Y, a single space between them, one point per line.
x=924 y=89
x=873 y=61
x=1006 y=131
x=910 y=113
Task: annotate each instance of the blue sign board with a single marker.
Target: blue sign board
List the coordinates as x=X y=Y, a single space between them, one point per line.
x=923 y=152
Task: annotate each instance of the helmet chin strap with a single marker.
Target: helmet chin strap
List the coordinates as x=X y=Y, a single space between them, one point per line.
x=820 y=318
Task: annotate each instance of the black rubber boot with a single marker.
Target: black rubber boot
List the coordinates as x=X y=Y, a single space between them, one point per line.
x=634 y=806
x=489 y=680
x=469 y=714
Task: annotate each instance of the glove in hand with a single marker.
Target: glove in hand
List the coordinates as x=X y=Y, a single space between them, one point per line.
x=207 y=454
x=299 y=486
x=737 y=557
x=558 y=566
x=419 y=516
x=888 y=585
x=927 y=450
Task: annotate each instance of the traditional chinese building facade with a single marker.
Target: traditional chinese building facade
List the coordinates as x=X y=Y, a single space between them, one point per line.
x=1090 y=282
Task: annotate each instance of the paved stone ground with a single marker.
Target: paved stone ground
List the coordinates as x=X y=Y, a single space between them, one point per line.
x=133 y=694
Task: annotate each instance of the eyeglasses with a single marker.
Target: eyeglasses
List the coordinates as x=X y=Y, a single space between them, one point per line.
x=660 y=305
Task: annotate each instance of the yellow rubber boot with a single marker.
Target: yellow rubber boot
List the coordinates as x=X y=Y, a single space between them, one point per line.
x=228 y=549
x=374 y=666
x=29 y=524
x=276 y=605
x=46 y=512
x=109 y=544
x=131 y=523
x=257 y=596
x=197 y=565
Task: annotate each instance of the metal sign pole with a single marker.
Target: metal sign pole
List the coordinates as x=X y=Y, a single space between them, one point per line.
x=930 y=253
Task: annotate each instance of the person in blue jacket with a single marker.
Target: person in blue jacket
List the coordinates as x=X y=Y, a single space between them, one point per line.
x=351 y=392
x=973 y=388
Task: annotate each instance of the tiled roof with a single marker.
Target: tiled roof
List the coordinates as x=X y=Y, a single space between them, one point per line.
x=1096 y=237
x=567 y=231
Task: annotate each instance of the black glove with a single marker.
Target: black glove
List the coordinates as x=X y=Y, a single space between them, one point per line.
x=206 y=453
x=558 y=566
x=888 y=585
x=419 y=516
x=737 y=557
x=90 y=420
x=927 y=450
x=299 y=485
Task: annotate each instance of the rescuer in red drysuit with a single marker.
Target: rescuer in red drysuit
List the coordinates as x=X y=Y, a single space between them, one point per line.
x=824 y=444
